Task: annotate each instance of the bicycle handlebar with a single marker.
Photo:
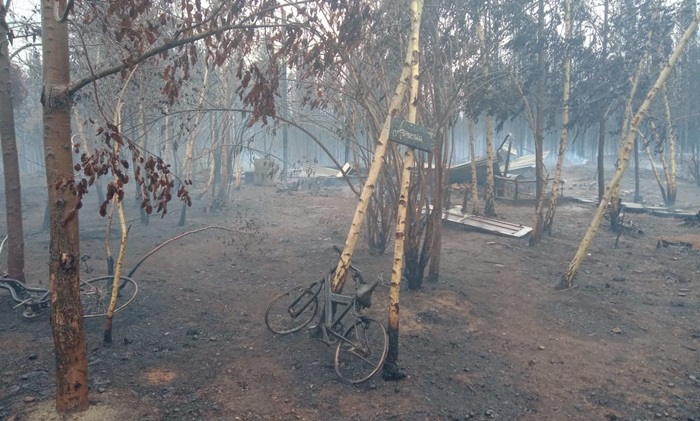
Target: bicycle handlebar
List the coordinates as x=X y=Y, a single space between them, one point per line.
x=12 y=291
x=12 y=285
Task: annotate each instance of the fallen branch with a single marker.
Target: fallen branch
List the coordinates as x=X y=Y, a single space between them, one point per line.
x=177 y=237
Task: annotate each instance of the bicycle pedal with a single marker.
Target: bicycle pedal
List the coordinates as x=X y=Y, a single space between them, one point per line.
x=315 y=332
x=29 y=313
x=360 y=351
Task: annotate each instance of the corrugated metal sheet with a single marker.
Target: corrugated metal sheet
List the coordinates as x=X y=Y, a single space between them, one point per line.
x=314 y=170
x=483 y=223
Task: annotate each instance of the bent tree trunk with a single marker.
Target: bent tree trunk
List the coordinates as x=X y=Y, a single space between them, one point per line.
x=341 y=270
x=624 y=157
x=64 y=248
x=13 y=193
x=118 y=202
x=615 y=202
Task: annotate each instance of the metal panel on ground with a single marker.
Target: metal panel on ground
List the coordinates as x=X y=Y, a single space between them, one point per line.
x=483 y=223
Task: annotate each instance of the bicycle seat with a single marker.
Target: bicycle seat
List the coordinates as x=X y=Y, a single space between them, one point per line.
x=364 y=294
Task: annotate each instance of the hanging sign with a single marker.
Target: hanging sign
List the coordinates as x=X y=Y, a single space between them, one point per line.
x=412 y=135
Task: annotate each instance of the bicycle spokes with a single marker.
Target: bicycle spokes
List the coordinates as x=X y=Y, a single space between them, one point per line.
x=362 y=351
x=291 y=311
x=96 y=295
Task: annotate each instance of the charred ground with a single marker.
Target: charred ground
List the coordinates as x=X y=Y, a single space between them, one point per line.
x=493 y=339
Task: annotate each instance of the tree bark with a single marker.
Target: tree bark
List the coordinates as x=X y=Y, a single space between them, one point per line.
x=143 y=145
x=214 y=156
x=637 y=193
x=556 y=187
x=13 y=189
x=540 y=182
x=391 y=369
x=64 y=247
x=224 y=164
x=189 y=147
x=654 y=170
x=475 y=183
x=662 y=158
x=671 y=176
x=371 y=180
x=489 y=192
x=603 y=119
x=615 y=201
x=88 y=146
x=601 y=157
x=625 y=155
x=284 y=110
x=107 y=333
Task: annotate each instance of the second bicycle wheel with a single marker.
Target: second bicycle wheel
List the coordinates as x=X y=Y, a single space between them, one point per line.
x=96 y=293
x=362 y=351
x=292 y=310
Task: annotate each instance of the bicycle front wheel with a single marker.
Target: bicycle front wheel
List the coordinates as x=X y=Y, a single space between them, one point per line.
x=96 y=294
x=291 y=311
x=362 y=351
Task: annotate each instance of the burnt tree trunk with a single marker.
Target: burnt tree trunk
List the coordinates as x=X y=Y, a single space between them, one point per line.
x=64 y=248
x=13 y=191
x=391 y=370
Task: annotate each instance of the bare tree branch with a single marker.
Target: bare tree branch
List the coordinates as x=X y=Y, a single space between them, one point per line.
x=131 y=61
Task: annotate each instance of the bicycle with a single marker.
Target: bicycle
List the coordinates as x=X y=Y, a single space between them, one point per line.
x=95 y=294
x=361 y=348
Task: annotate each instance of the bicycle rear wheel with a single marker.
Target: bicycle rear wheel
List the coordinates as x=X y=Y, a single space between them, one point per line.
x=96 y=293
x=292 y=310
x=362 y=351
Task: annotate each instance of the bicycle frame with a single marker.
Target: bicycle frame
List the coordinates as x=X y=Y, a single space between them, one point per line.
x=94 y=296
x=331 y=300
x=14 y=286
x=361 y=342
